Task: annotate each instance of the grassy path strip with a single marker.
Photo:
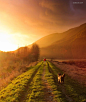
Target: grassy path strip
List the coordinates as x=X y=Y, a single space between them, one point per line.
x=37 y=94
x=58 y=96
x=73 y=89
x=13 y=91
x=47 y=89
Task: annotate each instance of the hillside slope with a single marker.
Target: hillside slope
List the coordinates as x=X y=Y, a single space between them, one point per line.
x=49 y=39
x=72 y=45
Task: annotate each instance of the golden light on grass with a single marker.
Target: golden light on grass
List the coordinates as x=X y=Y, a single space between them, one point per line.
x=6 y=42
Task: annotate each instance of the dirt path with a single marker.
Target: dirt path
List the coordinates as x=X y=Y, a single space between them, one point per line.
x=47 y=89
x=73 y=71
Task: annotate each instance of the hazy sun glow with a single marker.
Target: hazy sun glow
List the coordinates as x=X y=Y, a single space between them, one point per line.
x=6 y=42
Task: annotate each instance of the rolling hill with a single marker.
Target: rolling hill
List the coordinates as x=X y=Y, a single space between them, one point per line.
x=49 y=39
x=69 y=44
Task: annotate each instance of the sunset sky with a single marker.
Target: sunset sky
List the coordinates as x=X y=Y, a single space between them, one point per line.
x=22 y=22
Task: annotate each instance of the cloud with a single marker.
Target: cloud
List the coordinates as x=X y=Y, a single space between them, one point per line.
x=41 y=17
x=61 y=10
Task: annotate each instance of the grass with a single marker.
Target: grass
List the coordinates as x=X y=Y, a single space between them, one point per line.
x=8 y=71
x=37 y=94
x=11 y=66
x=35 y=91
x=13 y=91
x=58 y=96
x=11 y=69
x=75 y=90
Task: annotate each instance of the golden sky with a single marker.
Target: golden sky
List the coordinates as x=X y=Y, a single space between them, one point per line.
x=22 y=22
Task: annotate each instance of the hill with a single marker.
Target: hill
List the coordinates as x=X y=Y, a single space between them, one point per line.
x=49 y=39
x=69 y=44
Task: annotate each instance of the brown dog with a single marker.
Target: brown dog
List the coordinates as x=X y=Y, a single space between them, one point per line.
x=61 y=78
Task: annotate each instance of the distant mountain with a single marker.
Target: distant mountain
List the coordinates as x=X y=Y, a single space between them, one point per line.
x=49 y=39
x=69 y=44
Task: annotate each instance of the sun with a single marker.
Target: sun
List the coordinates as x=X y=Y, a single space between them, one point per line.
x=6 y=42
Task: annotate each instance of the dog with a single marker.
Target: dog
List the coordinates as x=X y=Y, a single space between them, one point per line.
x=61 y=78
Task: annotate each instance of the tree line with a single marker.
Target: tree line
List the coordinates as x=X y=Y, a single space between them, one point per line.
x=29 y=54
x=22 y=53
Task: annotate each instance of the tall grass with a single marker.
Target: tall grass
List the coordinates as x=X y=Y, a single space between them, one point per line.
x=11 y=67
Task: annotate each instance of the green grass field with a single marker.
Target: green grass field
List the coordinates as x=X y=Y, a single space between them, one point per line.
x=30 y=86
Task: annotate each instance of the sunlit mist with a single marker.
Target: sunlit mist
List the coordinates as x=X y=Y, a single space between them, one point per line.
x=6 y=42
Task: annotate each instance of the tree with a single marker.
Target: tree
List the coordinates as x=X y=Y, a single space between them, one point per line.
x=26 y=54
x=23 y=52
x=35 y=52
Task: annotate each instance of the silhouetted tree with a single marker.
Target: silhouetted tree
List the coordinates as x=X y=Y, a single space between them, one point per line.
x=35 y=52
x=23 y=52
x=27 y=54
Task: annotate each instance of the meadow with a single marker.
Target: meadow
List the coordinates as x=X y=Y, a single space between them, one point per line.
x=9 y=69
x=40 y=84
x=14 y=63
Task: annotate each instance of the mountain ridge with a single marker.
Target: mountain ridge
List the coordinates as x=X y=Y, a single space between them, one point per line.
x=71 y=45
